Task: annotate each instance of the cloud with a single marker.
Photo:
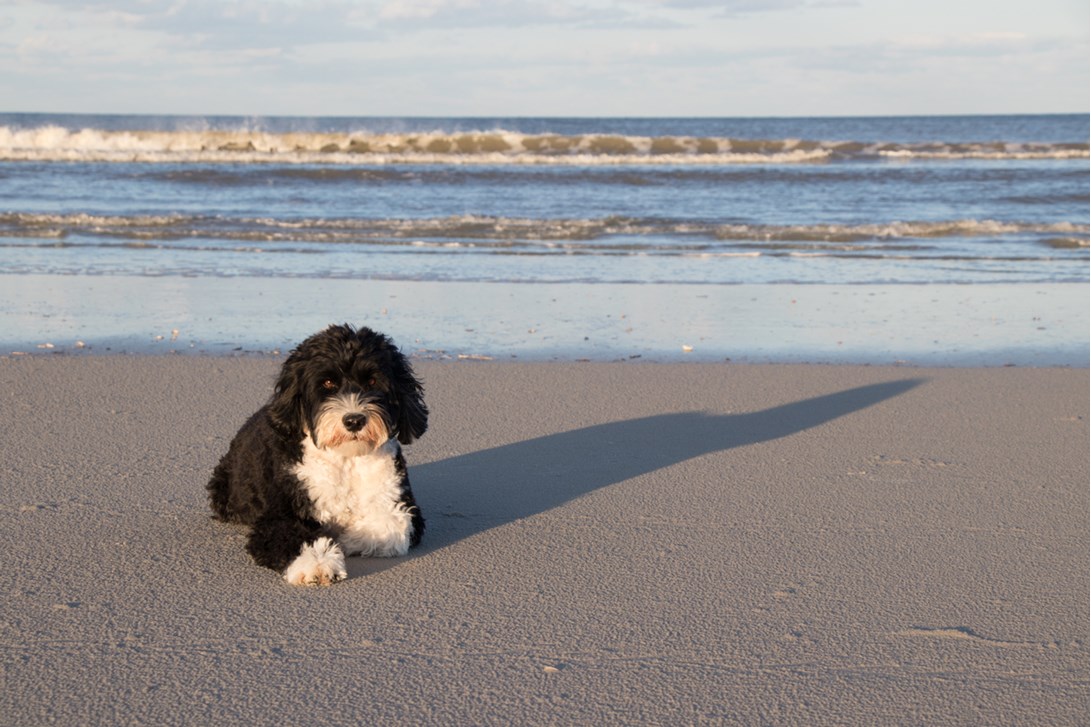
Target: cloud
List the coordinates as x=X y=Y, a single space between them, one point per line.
x=732 y=8
x=530 y=56
x=316 y=20
x=216 y=24
x=252 y=24
x=901 y=55
x=449 y=14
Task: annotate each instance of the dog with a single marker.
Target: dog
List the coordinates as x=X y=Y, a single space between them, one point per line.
x=318 y=472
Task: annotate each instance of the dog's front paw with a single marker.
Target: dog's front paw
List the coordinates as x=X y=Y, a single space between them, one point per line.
x=318 y=564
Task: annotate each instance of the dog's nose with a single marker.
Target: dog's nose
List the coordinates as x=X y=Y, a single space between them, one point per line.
x=354 y=422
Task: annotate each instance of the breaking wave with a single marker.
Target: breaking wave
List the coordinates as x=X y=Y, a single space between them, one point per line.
x=56 y=143
x=609 y=235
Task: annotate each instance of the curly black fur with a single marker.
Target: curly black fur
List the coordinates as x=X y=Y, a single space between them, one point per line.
x=254 y=483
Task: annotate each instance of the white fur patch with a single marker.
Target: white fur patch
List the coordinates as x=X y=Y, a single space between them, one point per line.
x=359 y=496
x=319 y=563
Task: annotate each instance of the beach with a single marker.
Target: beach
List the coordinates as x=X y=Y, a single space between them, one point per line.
x=606 y=543
x=925 y=325
x=733 y=420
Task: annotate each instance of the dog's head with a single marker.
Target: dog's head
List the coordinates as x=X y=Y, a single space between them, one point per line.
x=349 y=389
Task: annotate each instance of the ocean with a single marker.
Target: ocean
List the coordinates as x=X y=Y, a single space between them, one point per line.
x=705 y=204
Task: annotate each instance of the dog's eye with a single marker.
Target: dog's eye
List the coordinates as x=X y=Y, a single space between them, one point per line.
x=371 y=382
x=329 y=384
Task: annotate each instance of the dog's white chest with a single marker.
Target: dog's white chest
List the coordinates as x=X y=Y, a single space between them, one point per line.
x=359 y=497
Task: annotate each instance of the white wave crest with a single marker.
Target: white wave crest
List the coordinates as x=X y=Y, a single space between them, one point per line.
x=507 y=232
x=202 y=145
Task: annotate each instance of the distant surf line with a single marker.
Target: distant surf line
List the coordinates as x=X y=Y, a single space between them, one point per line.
x=51 y=142
x=607 y=235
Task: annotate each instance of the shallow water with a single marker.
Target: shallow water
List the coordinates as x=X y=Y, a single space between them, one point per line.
x=129 y=208
x=940 y=200
x=946 y=325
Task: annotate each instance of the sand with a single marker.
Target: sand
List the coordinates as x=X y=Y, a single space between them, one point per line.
x=606 y=544
x=1024 y=324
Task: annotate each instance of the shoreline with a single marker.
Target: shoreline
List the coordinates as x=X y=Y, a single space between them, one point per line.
x=606 y=544
x=900 y=324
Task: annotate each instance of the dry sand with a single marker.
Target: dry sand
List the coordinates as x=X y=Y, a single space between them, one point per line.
x=606 y=544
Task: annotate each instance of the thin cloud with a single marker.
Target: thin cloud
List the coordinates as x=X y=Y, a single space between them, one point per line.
x=730 y=8
x=248 y=25
x=448 y=14
x=553 y=56
x=899 y=56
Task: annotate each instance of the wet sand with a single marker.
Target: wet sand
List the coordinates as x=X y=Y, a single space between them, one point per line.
x=606 y=544
x=923 y=325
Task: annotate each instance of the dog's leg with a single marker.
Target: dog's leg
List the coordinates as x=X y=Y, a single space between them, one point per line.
x=417 y=523
x=408 y=502
x=219 y=489
x=320 y=563
x=301 y=550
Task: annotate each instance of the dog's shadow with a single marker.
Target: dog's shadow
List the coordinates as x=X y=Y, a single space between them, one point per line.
x=471 y=493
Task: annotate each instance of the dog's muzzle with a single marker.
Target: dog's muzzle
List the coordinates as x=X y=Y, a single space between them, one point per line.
x=362 y=421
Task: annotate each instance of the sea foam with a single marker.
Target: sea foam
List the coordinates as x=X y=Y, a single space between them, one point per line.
x=202 y=145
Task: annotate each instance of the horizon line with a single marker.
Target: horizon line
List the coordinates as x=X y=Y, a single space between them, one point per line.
x=540 y=116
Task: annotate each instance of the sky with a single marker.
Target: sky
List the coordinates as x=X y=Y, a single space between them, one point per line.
x=545 y=57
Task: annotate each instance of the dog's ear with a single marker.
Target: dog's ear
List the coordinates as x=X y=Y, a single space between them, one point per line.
x=412 y=412
x=286 y=406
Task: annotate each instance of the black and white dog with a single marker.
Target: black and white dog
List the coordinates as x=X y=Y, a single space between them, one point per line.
x=318 y=472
